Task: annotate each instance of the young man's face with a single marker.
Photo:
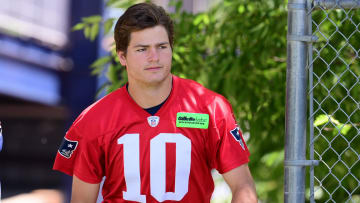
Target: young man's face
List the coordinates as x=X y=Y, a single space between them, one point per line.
x=148 y=57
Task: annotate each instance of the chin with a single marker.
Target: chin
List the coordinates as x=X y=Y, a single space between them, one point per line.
x=156 y=80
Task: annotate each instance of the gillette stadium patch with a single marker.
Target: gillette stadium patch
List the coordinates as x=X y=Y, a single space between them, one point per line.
x=192 y=120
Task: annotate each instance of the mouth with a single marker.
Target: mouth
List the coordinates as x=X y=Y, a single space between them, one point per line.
x=153 y=68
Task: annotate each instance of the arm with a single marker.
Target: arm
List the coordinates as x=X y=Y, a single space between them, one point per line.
x=241 y=184
x=83 y=192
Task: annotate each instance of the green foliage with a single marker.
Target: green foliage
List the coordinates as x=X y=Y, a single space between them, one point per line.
x=99 y=64
x=108 y=25
x=90 y=25
x=339 y=127
x=238 y=49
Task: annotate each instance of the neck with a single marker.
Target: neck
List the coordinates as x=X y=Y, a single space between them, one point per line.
x=147 y=96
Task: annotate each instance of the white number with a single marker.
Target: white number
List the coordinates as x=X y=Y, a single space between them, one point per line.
x=132 y=167
x=157 y=166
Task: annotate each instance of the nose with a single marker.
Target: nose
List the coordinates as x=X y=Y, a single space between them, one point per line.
x=153 y=54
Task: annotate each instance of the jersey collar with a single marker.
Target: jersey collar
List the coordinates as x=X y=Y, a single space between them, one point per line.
x=163 y=108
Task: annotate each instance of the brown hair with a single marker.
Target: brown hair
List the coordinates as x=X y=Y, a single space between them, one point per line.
x=138 y=17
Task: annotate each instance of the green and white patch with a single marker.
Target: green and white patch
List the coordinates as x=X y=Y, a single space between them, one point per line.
x=192 y=120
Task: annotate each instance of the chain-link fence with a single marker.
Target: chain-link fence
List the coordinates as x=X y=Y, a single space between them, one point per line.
x=334 y=90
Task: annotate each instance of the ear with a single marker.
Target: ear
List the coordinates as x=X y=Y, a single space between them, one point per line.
x=122 y=57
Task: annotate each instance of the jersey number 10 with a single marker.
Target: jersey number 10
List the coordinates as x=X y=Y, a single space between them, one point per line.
x=131 y=150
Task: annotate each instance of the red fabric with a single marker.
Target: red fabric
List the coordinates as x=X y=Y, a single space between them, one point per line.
x=99 y=127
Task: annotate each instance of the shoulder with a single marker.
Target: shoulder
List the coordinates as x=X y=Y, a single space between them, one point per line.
x=97 y=117
x=206 y=96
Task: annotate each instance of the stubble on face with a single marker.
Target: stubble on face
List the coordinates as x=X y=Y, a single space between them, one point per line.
x=148 y=57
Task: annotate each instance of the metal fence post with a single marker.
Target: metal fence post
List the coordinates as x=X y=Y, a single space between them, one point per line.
x=296 y=94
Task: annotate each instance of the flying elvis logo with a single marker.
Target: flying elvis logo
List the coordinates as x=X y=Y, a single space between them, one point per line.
x=236 y=134
x=67 y=148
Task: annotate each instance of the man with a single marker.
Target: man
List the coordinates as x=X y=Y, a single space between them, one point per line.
x=157 y=138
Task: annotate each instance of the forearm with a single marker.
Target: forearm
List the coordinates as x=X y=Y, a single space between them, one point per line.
x=245 y=194
x=83 y=192
x=241 y=184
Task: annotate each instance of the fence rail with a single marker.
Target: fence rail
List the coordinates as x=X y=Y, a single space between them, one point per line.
x=336 y=4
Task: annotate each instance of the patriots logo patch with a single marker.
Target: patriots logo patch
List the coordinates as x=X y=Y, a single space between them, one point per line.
x=236 y=134
x=67 y=148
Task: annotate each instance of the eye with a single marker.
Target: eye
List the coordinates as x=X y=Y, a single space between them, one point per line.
x=162 y=46
x=141 y=50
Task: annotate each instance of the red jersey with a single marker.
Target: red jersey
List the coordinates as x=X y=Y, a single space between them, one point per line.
x=167 y=157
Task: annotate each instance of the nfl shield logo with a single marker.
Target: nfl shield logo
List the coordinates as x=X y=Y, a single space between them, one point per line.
x=153 y=120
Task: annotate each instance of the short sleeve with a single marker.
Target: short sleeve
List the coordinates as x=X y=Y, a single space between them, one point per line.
x=81 y=156
x=227 y=146
x=89 y=165
x=67 y=152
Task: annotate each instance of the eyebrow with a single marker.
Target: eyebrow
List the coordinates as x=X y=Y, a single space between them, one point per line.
x=143 y=45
